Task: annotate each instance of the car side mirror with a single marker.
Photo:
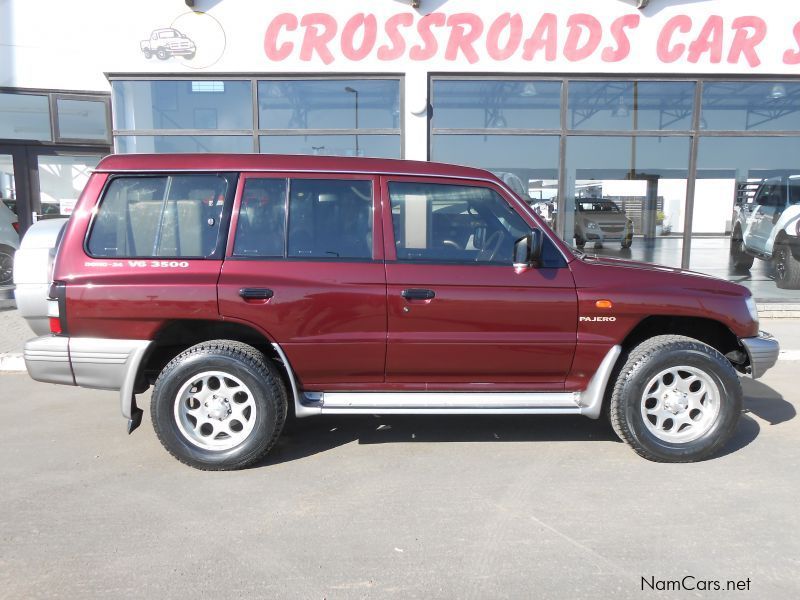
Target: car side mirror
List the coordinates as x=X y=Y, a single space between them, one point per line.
x=528 y=250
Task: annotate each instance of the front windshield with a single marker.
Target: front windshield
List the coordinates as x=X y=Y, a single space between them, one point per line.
x=597 y=206
x=168 y=34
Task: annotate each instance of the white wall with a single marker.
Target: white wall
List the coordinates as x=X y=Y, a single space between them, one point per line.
x=71 y=45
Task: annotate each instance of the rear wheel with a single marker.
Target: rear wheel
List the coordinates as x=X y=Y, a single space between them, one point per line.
x=6 y=265
x=675 y=400
x=219 y=405
x=740 y=259
x=787 y=267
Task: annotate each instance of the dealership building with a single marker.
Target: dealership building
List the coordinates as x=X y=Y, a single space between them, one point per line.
x=610 y=118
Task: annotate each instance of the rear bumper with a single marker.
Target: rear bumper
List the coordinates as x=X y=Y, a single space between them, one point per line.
x=100 y=363
x=762 y=351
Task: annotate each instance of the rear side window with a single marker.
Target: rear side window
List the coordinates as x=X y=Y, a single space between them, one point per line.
x=330 y=218
x=168 y=216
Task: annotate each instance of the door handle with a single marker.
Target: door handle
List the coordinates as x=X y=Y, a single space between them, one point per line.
x=256 y=293
x=418 y=294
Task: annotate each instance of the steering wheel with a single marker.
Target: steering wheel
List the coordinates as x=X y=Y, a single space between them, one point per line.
x=490 y=248
x=451 y=244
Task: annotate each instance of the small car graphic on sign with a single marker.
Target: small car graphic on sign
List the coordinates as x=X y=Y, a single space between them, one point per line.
x=168 y=42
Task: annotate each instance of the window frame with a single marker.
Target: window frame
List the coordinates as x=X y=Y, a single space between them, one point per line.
x=56 y=123
x=225 y=216
x=390 y=250
x=377 y=228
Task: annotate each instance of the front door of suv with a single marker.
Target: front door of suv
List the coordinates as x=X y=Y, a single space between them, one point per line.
x=305 y=266
x=459 y=316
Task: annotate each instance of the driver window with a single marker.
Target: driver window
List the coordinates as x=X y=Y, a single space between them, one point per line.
x=453 y=223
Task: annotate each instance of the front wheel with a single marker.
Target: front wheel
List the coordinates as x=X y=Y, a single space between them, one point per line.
x=675 y=400
x=219 y=405
x=162 y=54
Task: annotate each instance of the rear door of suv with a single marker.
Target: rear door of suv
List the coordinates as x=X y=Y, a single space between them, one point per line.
x=304 y=264
x=460 y=317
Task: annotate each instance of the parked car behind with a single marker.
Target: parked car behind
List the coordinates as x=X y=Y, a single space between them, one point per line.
x=767 y=226
x=600 y=221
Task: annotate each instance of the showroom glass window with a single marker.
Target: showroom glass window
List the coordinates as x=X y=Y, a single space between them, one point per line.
x=501 y=125
x=326 y=116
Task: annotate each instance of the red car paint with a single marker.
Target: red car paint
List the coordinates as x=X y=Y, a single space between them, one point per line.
x=344 y=325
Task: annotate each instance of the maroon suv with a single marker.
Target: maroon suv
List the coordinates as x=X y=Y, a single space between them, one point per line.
x=246 y=288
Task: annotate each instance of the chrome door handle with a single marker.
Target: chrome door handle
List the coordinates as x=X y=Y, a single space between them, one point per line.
x=418 y=294
x=256 y=293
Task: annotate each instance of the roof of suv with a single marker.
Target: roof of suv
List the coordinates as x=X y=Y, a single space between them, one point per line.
x=283 y=163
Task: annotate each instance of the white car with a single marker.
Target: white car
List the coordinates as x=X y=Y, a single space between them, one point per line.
x=767 y=226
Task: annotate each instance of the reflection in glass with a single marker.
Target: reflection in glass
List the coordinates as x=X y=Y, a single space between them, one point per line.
x=496 y=104
x=378 y=146
x=756 y=106
x=61 y=180
x=82 y=119
x=129 y=144
x=25 y=117
x=631 y=105
x=527 y=164
x=148 y=105
x=626 y=196
x=746 y=192
x=329 y=104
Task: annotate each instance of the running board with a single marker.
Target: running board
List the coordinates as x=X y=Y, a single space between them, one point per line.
x=444 y=402
x=587 y=402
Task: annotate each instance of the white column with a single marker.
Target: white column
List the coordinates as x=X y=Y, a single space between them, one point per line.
x=416 y=115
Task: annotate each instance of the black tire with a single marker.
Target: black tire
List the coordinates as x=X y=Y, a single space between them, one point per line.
x=787 y=267
x=147 y=54
x=190 y=56
x=6 y=264
x=162 y=54
x=235 y=359
x=580 y=242
x=648 y=361
x=741 y=261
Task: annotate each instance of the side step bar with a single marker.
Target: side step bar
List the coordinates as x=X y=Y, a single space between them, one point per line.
x=443 y=403
x=588 y=402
